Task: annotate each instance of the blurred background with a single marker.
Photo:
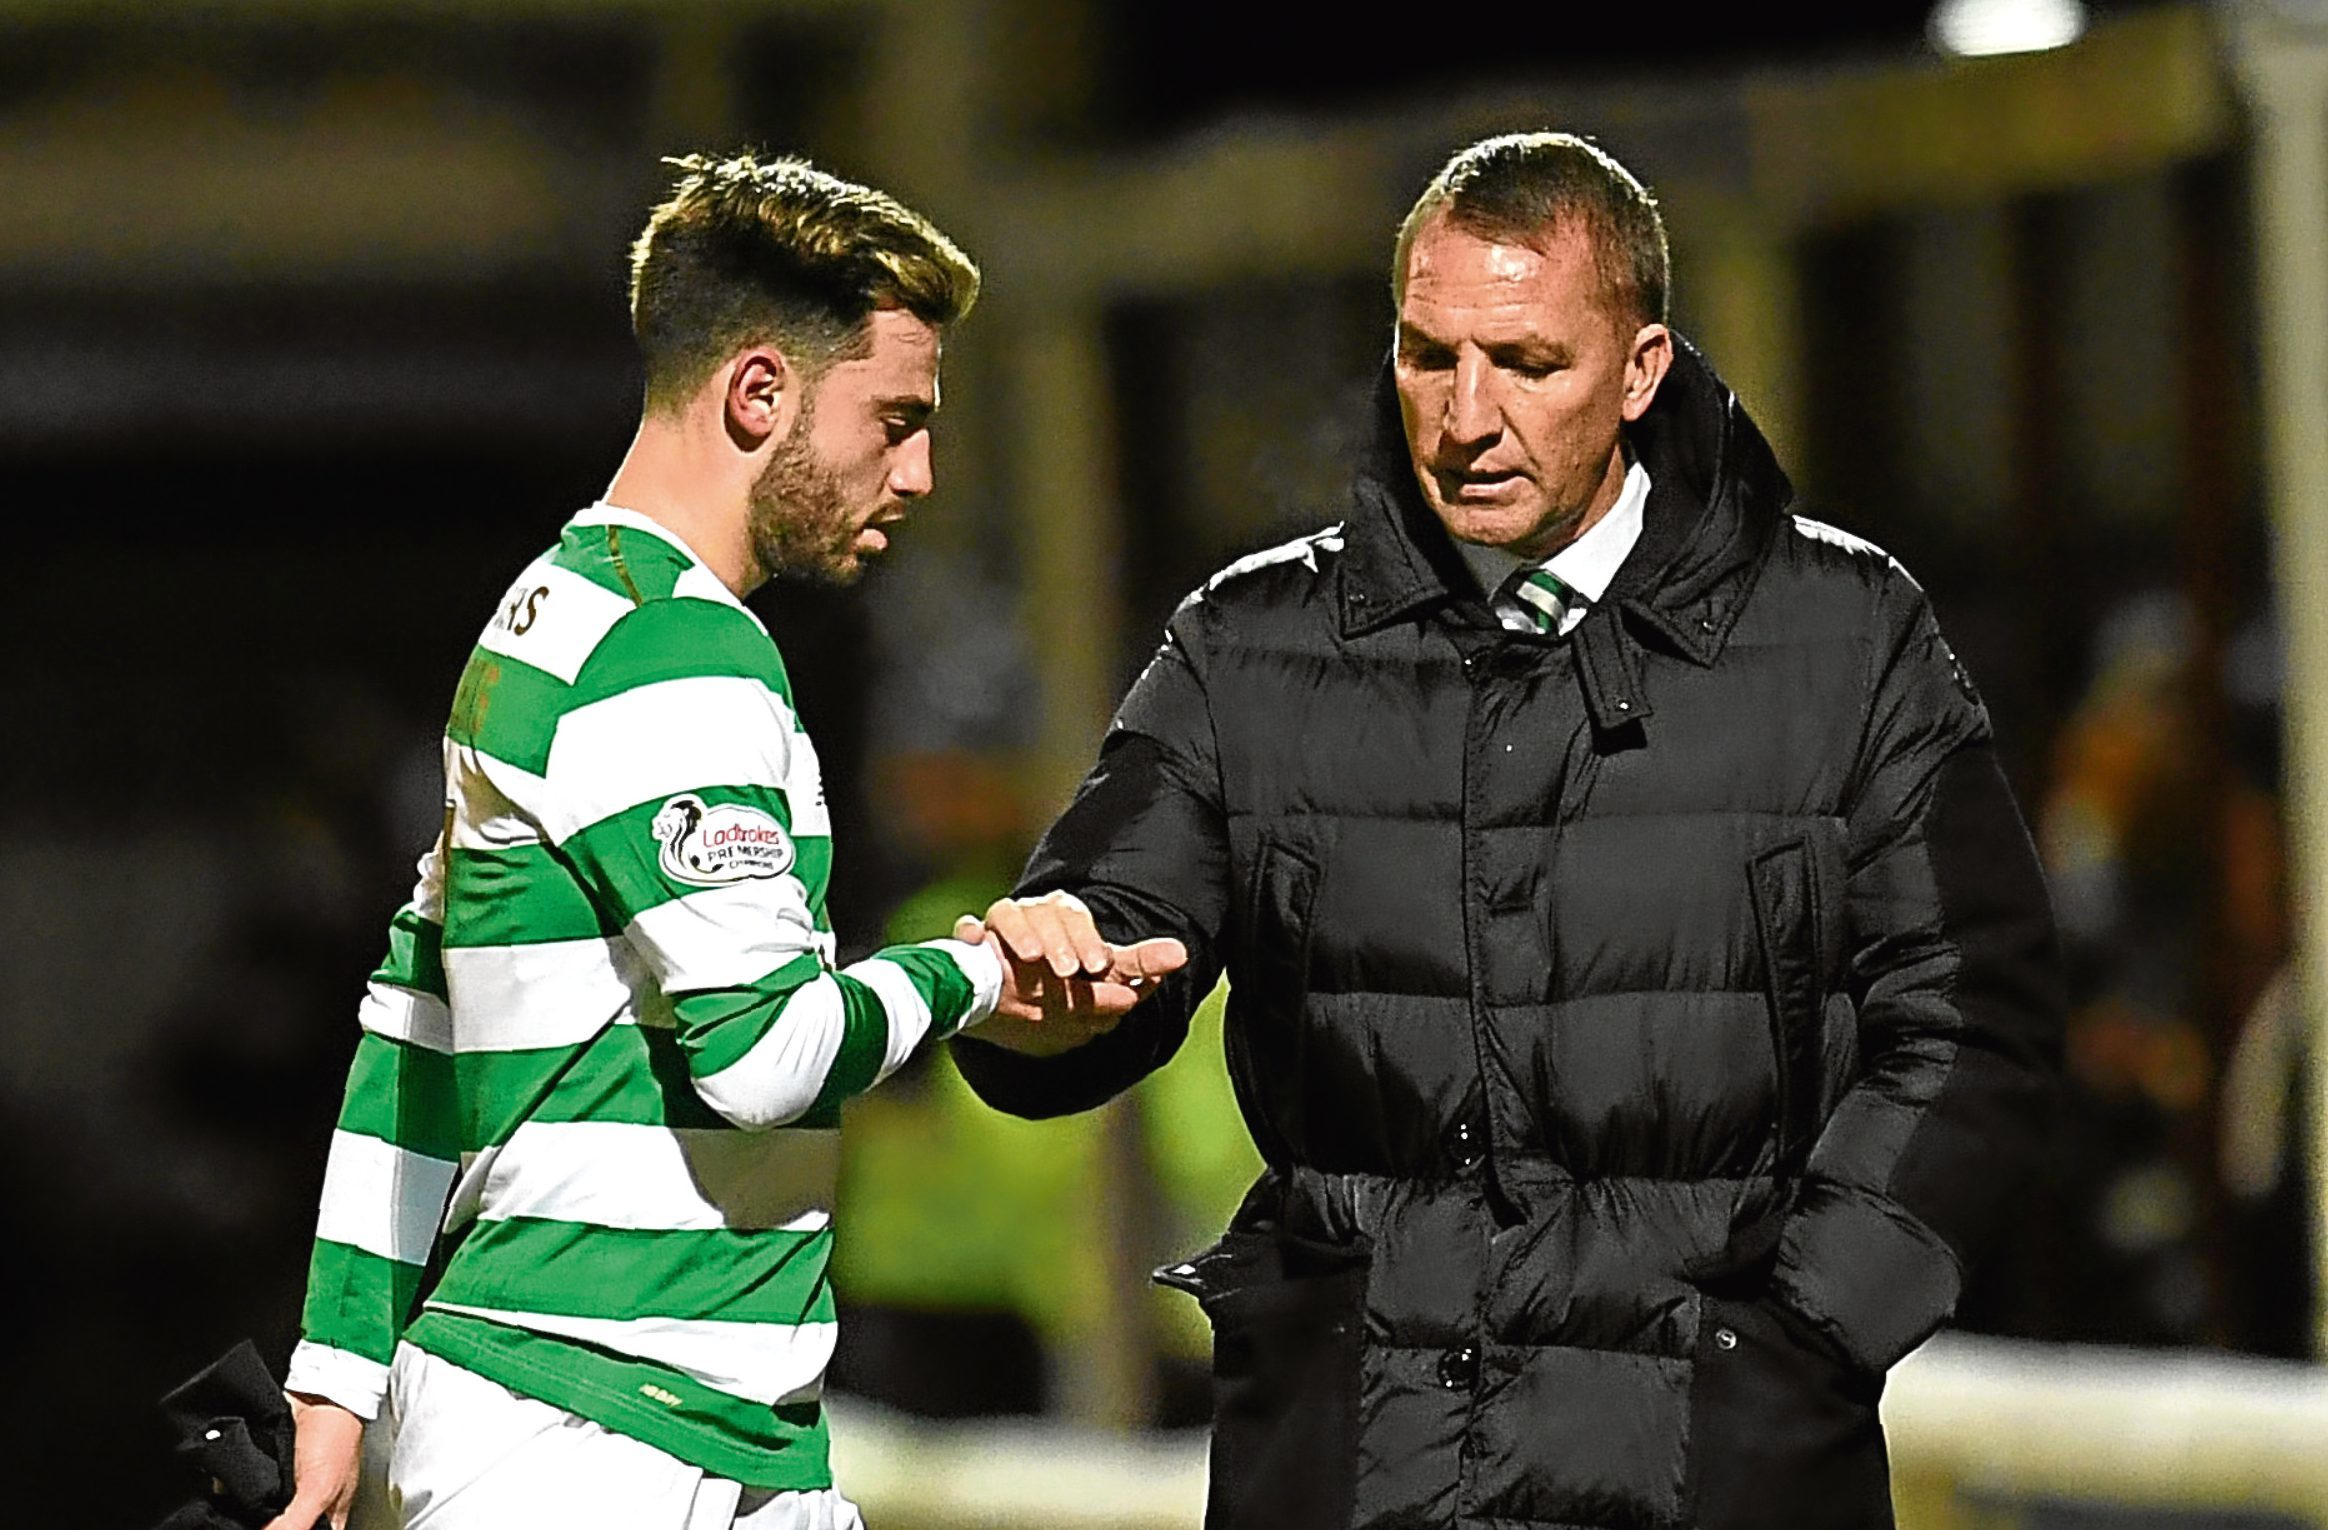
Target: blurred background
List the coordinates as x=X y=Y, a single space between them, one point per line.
x=312 y=331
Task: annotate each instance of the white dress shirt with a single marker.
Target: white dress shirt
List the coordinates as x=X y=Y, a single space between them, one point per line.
x=1585 y=565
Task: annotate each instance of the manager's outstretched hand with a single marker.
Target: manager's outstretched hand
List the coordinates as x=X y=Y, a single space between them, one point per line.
x=1063 y=983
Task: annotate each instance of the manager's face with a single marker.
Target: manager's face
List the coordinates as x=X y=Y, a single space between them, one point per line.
x=1515 y=372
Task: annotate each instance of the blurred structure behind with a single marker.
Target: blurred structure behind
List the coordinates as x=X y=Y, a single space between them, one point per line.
x=311 y=329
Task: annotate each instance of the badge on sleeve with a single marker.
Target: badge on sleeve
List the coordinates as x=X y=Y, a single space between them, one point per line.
x=718 y=844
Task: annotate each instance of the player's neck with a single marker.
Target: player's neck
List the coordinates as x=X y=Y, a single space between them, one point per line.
x=667 y=477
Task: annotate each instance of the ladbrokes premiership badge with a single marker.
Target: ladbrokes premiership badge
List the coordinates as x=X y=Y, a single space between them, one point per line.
x=714 y=845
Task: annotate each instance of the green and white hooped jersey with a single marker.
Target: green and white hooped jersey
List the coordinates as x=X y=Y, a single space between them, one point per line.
x=592 y=1123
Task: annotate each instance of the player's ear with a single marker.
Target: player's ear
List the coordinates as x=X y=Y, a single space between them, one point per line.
x=760 y=394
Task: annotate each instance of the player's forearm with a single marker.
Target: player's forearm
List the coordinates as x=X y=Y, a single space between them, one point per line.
x=797 y=1051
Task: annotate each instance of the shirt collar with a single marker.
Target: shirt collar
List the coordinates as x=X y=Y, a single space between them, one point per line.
x=710 y=585
x=1586 y=565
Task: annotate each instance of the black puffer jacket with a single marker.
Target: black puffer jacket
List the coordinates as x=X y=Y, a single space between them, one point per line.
x=1640 y=1027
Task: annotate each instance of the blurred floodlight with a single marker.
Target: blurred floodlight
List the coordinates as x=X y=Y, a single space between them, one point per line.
x=1981 y=28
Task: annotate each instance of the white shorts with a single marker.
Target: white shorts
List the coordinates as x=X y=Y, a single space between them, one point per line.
x=466 y=1453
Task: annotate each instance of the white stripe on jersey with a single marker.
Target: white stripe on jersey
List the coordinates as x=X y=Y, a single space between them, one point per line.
x=727 y=937
x=381 y=1198
x=403 y=1014
x=662 y=1179
x=804 y=791
x=780 y=1076
x=553 y=993
x=909 y=1012
x=347 y=1378
x=655 y=741
x=552 y=618
x=490 y=800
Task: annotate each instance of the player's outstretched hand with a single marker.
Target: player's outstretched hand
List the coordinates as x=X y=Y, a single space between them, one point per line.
x=1062 y=982
x=330 y=1452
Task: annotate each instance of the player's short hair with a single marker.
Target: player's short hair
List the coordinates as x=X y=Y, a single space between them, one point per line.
x=1525 y=186
x=749 y=251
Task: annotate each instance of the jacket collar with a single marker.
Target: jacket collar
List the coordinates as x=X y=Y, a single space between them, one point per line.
x=1716 y=499
x=1397 y=559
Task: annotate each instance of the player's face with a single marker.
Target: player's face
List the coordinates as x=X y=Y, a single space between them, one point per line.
x=857 y=455
x=1514 y=377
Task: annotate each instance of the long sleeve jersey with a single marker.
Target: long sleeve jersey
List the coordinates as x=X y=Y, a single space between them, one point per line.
x=590 y=1138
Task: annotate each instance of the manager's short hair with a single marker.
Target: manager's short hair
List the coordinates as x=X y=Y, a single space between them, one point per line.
x=1524 y=186
x=748 y=251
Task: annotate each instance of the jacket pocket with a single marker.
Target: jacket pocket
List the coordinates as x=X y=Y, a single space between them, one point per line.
x=1784 y=1434
x=1278 y=905
x=1268 y=1034
x=1787 y=918
x=1288 y=1319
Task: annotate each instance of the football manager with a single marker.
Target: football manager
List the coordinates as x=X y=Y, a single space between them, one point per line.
x=1642 y=988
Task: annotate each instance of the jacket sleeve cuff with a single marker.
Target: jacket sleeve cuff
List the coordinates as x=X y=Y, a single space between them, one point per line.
x=1865 y=1274
x=354 y=1382
x=1040 y=1088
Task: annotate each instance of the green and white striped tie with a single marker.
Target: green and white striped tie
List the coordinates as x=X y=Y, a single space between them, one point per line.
x=1545 y=596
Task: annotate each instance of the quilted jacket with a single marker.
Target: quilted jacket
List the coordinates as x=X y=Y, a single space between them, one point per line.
x=1641 y=1027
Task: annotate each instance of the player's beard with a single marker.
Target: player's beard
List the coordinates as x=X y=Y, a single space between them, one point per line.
x=801 y=521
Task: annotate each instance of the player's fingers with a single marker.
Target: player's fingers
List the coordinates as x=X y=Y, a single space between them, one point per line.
x=969 y=929
x=1146 y=960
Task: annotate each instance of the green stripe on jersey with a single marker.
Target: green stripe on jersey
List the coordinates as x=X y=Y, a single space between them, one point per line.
x=782 y=1448
x=864 y=1042
x=577 y=1269
x=629 y=562
x=619 y=853
x=814 y=868
x=501 y=1091
x=508 y=709
x=939 y=981
x=682 y=639
x=633 y=1075
x=517 y=895
x=348 y=1293
x=403 y=1094
x=716 y=1029
x=416 y=958
x=636 y=1075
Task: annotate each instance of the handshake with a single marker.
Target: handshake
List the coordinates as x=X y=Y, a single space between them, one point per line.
x=1063 y=984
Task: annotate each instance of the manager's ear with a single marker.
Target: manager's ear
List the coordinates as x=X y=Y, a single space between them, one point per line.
x=1645 y=368
x=760 y=396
